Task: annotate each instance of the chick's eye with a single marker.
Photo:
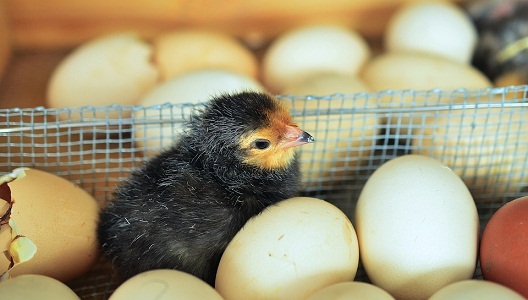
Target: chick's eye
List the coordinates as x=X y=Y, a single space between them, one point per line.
x=261 y=144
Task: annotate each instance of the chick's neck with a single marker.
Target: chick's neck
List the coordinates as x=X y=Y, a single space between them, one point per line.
x=246 y=186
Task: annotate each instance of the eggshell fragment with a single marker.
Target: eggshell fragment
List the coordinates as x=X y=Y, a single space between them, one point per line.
x=504 y=245
x=36 y=287
x=189 y=88
x=344 y=140
x=289 y=251
x=54 y=216
x=112 y=69
x=352 y=290
x=308 y=50
x=417 y=226
x=475 y=290
x=181 y=51
x=165 y=285
x=22 y=248
x=437 y=27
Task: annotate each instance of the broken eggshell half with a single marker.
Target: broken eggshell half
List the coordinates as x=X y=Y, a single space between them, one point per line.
x=48 y=226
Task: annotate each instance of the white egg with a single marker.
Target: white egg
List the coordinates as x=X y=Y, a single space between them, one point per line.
x=399 y=70
x=351 y=290
x=113 y=69
x=308 y=50
x=422 y=71
x=475 y=290
x=165 y=285
x=417 y=226
x=35 y=287
x=438 y=27
x=289 y=251
x=189 y=88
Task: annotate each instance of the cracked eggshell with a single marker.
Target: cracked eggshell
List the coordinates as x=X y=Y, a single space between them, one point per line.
x=5 y=233
x=112 y=69
x=59 y=217
x=289 y=251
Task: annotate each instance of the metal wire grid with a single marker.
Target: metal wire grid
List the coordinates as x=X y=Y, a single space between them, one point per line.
x=481 y=134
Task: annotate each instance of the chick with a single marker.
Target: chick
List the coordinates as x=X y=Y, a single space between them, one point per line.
x=182 y=207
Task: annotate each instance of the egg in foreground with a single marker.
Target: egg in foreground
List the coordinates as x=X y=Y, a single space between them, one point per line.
x=472 y=289
x=351 y=290
x=164 y=284
x=289 y=251
x=417 y=227
x=35 y=287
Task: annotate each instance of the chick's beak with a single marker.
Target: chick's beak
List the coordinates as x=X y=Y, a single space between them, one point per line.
x=295 y=137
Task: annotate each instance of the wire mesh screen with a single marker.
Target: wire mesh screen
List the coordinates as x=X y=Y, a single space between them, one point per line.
x=481 y=134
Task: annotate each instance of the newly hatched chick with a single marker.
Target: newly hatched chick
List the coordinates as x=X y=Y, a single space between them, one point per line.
x=182 y=208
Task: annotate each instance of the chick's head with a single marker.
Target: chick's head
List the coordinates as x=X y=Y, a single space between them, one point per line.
x=254 y=128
